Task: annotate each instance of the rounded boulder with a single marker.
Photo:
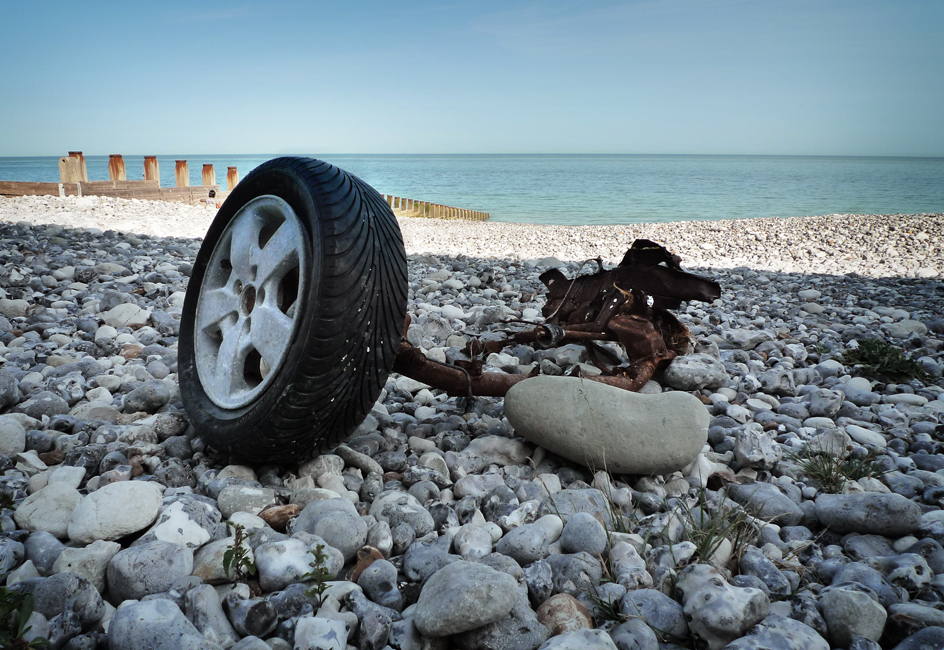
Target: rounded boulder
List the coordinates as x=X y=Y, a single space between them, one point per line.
x=604 y=427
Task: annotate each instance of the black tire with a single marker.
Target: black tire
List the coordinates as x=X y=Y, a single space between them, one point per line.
x=346 y=321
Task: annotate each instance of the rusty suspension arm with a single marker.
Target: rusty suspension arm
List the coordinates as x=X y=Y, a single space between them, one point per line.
x=412 y=363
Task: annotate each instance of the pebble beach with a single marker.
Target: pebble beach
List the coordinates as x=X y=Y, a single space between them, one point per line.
x=439 y=525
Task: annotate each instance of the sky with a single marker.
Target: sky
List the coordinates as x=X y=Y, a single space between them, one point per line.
x=785 y=77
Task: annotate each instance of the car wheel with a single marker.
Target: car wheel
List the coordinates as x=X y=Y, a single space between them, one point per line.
x=293 y=313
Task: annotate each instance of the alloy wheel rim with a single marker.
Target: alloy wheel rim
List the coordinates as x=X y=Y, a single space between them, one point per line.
x=251 y=302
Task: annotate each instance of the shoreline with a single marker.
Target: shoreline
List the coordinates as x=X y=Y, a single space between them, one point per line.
x=883 y=245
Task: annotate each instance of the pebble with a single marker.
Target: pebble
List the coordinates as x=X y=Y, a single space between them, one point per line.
x=455 y=494
x=850 y=613
x=115 y=510
x=463 y=596
x=155 y=624
x=150 y=568
x=719 y=612
x=50 y=510
x=883 y=514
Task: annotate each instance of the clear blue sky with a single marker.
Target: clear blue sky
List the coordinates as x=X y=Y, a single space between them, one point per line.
x=820 y=77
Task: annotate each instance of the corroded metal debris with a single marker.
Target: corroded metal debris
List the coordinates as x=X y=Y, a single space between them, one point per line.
x=628 y=304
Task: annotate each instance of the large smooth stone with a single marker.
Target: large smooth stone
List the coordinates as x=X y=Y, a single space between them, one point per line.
x=609 y=428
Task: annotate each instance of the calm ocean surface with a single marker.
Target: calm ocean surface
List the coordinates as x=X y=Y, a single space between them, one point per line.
x=599 y=189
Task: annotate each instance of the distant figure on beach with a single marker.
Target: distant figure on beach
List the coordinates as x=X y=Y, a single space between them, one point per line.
x=210 y=200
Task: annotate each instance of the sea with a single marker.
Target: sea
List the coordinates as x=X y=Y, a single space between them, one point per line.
x=597 y=189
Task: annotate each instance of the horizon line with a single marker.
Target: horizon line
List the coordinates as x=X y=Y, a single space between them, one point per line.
x=705 y=155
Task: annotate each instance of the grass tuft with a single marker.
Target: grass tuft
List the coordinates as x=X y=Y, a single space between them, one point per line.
x=880 y=359
x=830 y=471
x=708 y=527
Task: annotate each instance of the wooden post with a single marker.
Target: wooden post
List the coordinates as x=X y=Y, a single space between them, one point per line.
x=152 y=170
x=83 y=172
x=390 y=201
x=116 y=168
x=182 y=173
x=209 y=176
x=232 y=178
x=69 y=171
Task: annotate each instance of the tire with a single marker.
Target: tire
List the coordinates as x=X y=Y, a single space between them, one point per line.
x=293 y=314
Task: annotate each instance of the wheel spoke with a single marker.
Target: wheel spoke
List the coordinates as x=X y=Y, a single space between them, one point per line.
x=278 y=255
x=231 y=358
x=270 y=332
x=244 y=245
x=216 y=305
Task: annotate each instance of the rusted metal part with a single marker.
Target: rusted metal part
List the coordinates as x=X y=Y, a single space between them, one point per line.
x=628 y=304
x=582 y=299
x=461 y=382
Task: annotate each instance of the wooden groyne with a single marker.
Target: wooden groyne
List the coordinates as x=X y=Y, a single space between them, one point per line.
x=403 y=207
x=73 y=181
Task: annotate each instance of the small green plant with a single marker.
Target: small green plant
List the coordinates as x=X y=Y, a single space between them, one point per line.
x=876 y=358
x=15 y=611
x=708 y=528
x=605 y=608
x=236 y=557
x=318 y=576
x=831 y=471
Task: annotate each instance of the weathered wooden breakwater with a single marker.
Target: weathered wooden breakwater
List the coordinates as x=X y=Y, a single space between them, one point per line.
x=74 y=181
x=403 y=207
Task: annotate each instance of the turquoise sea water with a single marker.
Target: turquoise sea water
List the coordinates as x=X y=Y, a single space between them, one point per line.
x=599 y=189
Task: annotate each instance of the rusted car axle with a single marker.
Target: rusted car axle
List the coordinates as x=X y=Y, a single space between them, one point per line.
x=628 y=304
